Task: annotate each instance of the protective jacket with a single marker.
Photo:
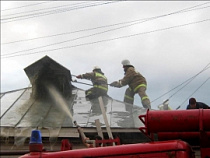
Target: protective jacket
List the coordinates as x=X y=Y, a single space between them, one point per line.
x=98 y=80
x=100 y=86
x=133 y=78
x=199 y=105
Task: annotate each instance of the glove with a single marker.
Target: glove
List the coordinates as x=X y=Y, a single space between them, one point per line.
x=115 y=84
x=79 y=76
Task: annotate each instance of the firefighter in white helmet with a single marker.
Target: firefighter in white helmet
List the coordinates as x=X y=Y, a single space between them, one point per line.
x=100 y=86
x=137 y=84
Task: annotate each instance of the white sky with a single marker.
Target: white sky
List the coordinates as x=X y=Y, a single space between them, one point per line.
x=168 y=42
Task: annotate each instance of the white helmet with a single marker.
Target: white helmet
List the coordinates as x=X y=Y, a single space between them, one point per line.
x=96 y=67
x=126 y=62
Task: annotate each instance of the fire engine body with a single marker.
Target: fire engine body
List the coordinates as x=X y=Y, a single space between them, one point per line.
x=189 y=125
x=169 y=126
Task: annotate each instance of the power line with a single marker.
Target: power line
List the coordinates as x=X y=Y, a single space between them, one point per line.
x=205 y=68
x=53 y=44
x=77 y=31
x=26 y=6
x=133 y=21
x=107 y=40
x=139 y=21
x=44 y=9
x=32 y=15
x=59 y=7
x=194 y=91
x=187 y=82
x=23 y=17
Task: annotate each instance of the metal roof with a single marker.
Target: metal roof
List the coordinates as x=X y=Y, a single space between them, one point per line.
x=52 y=104
x=18 y=109
x=20 y=114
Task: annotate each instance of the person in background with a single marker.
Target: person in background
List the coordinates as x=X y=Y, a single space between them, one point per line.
x=193 y=104
x=100 y=86
x=136 y=82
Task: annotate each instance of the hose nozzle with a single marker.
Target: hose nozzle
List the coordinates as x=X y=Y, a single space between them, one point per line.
x=75 y=122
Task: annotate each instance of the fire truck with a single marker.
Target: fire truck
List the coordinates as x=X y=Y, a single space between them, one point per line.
x=170 y=132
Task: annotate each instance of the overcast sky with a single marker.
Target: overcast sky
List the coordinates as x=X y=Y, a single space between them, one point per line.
x=168 y=42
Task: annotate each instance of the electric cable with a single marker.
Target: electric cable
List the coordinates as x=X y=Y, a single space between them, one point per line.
x=89 y=29
x=194 y=91
x=37 y=14
x=133 y=21
x=27 y=5
x=187 y=81
x=145 y=20
x=43 y=9
x=57 y=11
x=12 y=19
x=53 y=44
x=42 y=13
x=206 y=67
x=106 y=40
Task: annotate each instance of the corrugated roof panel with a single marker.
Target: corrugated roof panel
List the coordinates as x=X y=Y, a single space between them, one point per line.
x=8 y=99
x=35 y=115
x=20 y=105
x=136 y=111
x=56 y=113
x=55 y=117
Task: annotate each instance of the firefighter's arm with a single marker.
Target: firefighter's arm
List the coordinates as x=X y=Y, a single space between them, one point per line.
x=115 y=84
x=127 y=78
x=88 y=76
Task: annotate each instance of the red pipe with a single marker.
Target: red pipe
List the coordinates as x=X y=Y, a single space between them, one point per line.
x=176 y=121
x=178 y=149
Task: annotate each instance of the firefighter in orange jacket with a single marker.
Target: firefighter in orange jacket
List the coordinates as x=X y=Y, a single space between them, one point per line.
x=137 y=84
x=100 y=86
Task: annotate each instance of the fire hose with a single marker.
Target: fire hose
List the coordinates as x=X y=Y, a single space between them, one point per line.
x=84 y=138
x=82 y=82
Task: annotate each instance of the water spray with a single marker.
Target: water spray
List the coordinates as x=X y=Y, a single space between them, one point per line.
x=60 y=100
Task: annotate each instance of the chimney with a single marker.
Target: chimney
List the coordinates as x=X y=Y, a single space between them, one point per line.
x=47 y=72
